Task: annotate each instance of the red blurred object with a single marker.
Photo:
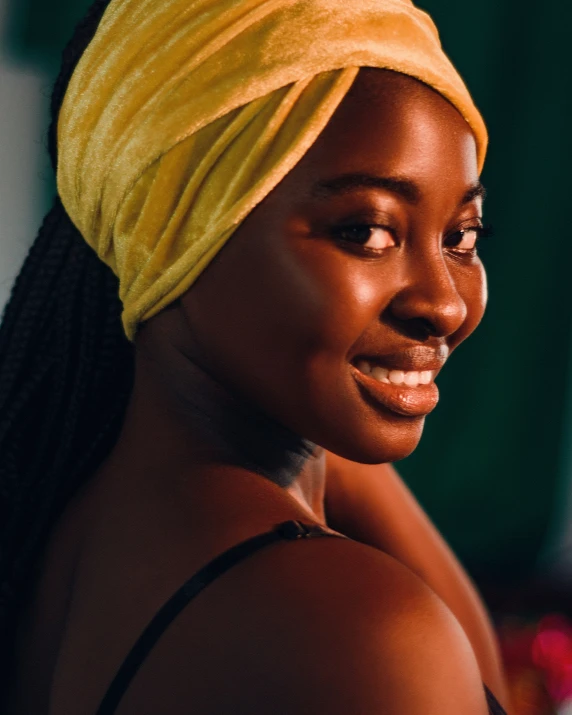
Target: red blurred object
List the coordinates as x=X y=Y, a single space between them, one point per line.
x=552 y=653
x=527 y=662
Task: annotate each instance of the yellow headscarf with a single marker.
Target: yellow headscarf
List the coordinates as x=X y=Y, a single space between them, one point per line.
x=183 y=115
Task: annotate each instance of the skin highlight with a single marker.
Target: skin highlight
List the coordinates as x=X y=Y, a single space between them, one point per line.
x=277 y=324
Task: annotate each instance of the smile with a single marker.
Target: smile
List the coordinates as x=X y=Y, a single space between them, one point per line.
x=407 y=393
x=412 y=378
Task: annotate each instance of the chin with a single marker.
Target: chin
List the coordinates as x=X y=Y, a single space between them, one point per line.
x=380 y=443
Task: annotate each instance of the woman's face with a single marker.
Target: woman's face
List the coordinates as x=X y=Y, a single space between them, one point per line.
x=340 y=297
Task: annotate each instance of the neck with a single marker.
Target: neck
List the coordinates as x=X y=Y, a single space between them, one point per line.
x=182 y=415
x=240 y=434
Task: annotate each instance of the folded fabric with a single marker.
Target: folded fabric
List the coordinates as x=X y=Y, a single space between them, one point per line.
x=183 y=115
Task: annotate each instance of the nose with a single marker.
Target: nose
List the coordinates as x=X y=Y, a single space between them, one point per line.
x=429 y=303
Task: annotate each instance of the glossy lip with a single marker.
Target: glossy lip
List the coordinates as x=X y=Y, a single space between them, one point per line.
x=399 y=399
x=406 y=401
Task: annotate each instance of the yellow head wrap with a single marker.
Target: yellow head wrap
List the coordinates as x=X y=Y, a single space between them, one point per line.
x=183 y=115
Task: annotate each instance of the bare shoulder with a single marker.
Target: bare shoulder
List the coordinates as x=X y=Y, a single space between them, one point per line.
x=335 y=626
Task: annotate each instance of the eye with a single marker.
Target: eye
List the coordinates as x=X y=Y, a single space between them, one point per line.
x=372 y=237
x=465 y=239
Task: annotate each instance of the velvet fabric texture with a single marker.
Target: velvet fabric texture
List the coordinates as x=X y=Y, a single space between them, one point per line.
x=183 y=115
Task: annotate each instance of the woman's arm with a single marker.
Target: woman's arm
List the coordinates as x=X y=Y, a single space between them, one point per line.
x=371 y=504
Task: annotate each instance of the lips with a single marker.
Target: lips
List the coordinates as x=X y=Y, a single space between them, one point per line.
x=402 y=382
x=419 y=359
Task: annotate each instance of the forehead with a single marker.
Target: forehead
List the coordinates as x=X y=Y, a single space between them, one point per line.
x=393 y=125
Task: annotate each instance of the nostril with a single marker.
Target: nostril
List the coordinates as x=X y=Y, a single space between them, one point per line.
x=419 y=327
x=427 y=326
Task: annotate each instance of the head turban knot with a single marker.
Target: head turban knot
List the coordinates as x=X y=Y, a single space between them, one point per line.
x=182 y=115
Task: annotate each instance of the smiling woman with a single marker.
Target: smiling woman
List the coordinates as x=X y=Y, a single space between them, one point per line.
x=332 y=299
x=264 y=374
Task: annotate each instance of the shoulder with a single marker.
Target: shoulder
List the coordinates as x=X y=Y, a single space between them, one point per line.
x=335 y=626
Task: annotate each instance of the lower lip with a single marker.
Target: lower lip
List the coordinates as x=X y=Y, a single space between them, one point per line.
x=407 y=401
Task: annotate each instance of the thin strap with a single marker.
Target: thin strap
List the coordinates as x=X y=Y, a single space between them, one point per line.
x=495 y=708
x=288 y=530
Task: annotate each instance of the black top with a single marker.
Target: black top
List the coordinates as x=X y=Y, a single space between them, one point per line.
x=288 y=530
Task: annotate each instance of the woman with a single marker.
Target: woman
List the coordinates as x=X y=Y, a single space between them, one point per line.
x=339 y=149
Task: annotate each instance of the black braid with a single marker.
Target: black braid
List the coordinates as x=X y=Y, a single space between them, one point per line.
x=66 y=373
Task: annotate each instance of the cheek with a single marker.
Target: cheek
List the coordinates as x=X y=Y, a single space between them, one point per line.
x=340 y=298
x=276 y=323
x=272 y=307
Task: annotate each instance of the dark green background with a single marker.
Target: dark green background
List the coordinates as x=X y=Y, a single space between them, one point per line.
x=492 y=468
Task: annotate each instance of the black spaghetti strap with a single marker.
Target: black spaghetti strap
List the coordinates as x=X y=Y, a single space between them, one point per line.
x=495 y=708
x=289 y=530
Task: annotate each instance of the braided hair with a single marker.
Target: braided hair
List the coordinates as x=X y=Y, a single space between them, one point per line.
x=66 y=373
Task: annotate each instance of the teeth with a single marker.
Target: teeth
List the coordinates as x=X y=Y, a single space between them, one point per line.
x=395 y=377
x=380 y=374
x=364 y=367
x=411 y=379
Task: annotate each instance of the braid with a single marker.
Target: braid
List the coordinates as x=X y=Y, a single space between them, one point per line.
x=66 y=373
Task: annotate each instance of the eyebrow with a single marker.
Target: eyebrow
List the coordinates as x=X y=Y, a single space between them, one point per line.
x=477 y=191
x=405 y=188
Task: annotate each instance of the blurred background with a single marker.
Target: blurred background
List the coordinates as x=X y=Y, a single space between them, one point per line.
x=494 y=469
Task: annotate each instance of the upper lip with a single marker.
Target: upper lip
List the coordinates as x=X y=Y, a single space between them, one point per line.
x=419 y=358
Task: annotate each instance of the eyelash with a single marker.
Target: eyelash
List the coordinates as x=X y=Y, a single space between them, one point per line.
x=482 y=232
x=339 y=231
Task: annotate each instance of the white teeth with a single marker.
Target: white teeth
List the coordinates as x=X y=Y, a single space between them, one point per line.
x=364 y=366
x=396 y=377
x=380 y=374
x=411 y=379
